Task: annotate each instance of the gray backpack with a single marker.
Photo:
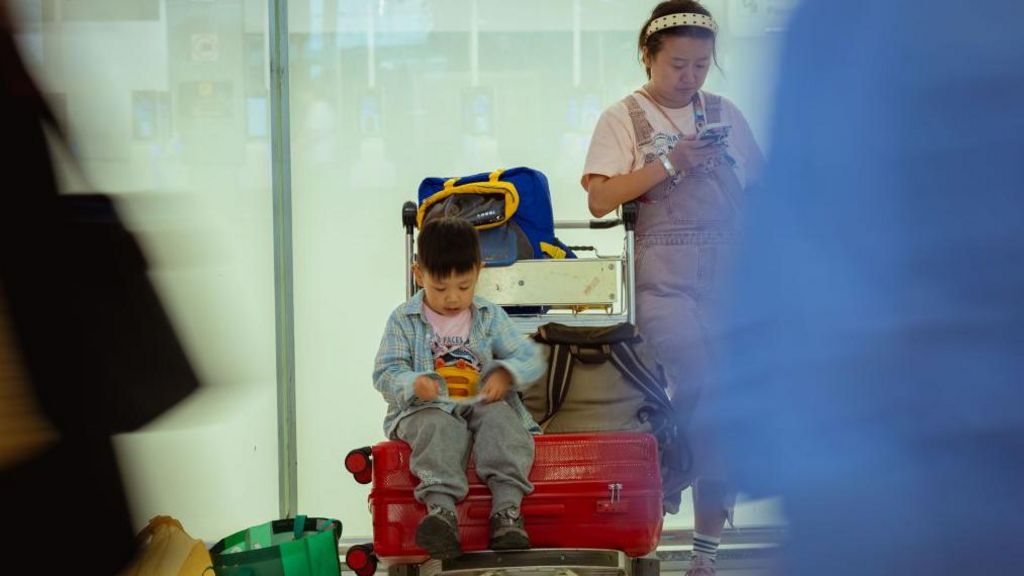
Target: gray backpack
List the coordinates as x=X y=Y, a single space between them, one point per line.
x=605 y=379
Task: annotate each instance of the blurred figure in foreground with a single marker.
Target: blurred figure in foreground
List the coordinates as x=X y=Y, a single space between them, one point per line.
x=875 y=339
x=86 y=349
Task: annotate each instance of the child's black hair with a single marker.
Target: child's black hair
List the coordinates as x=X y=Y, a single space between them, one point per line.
x=448 y=246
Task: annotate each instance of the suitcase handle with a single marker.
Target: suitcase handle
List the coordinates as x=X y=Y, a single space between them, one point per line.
x=529 y=510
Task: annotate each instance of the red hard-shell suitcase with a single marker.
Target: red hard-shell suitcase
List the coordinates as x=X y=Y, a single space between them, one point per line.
x=590 y=491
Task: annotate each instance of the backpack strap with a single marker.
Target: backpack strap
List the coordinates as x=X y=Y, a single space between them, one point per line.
x=559 y=377
x=625 y=358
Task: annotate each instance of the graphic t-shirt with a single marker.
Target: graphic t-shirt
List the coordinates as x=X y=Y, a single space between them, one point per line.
x=453 y=358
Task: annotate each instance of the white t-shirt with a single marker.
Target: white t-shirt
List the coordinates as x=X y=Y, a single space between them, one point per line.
x=613 y=147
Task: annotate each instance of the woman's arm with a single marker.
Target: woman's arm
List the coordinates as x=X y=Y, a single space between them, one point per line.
x=605 y=194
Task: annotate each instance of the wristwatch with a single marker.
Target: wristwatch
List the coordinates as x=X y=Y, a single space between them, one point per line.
x=675 y=175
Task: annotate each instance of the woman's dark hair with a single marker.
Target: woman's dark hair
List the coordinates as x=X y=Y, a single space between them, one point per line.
x=653 y=43
x=448 y=246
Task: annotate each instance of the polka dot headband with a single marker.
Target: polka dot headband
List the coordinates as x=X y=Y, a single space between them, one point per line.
x=682 y=19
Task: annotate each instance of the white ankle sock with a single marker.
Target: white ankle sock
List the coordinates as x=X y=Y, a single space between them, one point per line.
x=706 y=546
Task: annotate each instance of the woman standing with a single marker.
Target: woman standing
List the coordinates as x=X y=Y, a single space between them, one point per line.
x=663 y=146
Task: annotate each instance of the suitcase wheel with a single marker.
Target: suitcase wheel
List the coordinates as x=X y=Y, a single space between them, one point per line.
x=361 y=559
x=358 y=463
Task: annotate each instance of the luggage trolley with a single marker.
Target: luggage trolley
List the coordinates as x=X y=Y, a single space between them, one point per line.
x=571 y=285
x=617 y=481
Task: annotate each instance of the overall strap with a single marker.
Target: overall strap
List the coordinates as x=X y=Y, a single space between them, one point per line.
x=725 y=174
x=714 y=108
x=641 y=126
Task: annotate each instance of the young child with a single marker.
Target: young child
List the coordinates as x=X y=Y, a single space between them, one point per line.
x=444 y=325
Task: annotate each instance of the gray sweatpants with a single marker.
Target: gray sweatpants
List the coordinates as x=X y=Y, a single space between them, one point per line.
x=502 y=449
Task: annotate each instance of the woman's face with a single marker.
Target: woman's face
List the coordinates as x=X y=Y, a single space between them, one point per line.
x=679 y=69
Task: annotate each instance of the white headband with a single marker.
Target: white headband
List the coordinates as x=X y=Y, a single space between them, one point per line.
x=681 y=19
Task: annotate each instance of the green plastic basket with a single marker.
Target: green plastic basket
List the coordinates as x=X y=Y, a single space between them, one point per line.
x=292 y=547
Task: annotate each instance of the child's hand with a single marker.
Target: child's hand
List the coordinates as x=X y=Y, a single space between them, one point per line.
x=426 y=388
x=496 y=386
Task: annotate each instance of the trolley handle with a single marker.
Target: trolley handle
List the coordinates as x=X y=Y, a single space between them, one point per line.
x=588 y=224
x=630 y=211
x=409 y=216
x=628 y=217
x=409 y=213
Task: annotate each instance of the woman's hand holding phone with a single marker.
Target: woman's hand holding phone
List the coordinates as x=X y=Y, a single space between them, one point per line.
x=689 y=153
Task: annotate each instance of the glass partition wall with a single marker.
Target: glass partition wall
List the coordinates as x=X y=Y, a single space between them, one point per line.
x=280 y=266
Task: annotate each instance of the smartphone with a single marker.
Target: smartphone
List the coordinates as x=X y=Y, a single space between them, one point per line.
x=715 y=133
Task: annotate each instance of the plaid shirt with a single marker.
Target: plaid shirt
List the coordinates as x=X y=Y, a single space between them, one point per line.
x=405 y=354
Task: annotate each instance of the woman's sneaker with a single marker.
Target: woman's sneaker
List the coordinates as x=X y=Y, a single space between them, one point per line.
x=507 y=532
x=700 y=566
x=438 y=533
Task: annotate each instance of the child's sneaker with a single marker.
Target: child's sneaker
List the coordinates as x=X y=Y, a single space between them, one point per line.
x=507 y=532
x=438 y=533
x=700 y=566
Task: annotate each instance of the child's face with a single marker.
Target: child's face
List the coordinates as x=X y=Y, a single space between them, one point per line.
x=447 y=296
